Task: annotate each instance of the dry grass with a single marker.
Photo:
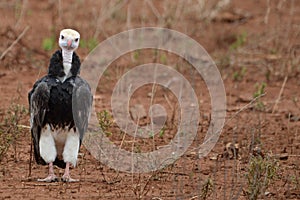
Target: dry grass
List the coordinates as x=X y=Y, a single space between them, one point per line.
x=244 y=55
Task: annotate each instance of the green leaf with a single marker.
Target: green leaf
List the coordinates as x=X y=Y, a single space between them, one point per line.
x=48 y=43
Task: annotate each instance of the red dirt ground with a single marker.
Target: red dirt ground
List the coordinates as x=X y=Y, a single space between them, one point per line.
x=252 y=42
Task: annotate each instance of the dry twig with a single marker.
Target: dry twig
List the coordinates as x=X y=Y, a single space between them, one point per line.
x=14 y=43
x=280 y=94
x=245 y=107
x=24 y=4
x=266 y=18
x=153 y=9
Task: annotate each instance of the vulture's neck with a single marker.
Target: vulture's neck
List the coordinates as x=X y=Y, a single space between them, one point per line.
x=67 y=63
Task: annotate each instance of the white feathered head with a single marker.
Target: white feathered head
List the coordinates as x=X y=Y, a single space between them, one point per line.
x=69 y=39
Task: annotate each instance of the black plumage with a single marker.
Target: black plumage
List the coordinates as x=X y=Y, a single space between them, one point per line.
x=56 y=68
x=52 y=101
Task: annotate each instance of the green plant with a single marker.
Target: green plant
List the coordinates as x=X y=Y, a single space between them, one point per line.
x=136 y=55
x=295 y=181
x=268 y=74
x=206 y=189
x=48 y=43
x=163 y=58
x=224 y=61
x=10 y=129
x=151 y=134
x=90 y=43
x=239 y=75
x=260 y=90
x=18 y=9
x=162 y=132
x=137 y=149
x=105 y=121
x=273 y=51
x=240 y=41
x=261 y=172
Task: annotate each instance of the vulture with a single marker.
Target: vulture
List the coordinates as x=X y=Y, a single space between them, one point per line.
x=60 y=105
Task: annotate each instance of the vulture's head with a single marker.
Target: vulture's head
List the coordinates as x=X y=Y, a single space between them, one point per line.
x=69 y=39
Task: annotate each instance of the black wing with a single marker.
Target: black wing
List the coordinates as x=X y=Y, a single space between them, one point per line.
x=82 y=100
x=38 y=99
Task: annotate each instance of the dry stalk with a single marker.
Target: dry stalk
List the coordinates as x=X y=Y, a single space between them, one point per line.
x=24 y=4
x=154 y=10
x=102 y=18
x=279 y=95
x=245 y=107
x=30 y=158
x=266 y=18
x=14 y=43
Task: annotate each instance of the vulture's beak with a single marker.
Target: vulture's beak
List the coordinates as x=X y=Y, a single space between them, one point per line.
x=69 y=43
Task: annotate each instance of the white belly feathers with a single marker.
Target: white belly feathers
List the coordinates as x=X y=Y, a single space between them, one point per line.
x=61 y=143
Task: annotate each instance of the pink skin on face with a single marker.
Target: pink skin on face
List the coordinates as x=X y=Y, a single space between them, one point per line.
x=69 y=43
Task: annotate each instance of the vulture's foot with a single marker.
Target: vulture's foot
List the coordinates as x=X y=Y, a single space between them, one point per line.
x=50 y=178
x=67 y=178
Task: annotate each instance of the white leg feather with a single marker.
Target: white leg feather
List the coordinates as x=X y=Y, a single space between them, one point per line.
x=47 y=145
x=71 y=148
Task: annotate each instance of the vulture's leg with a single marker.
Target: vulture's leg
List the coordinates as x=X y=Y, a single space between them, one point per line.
x=51 y=177
x=66 y=177
x=70 y=154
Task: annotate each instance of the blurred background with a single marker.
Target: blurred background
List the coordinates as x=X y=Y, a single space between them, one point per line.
x=256 y=47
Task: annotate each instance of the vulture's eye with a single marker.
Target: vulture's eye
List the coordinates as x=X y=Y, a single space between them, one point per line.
x=76 y=40
x=62 y=37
